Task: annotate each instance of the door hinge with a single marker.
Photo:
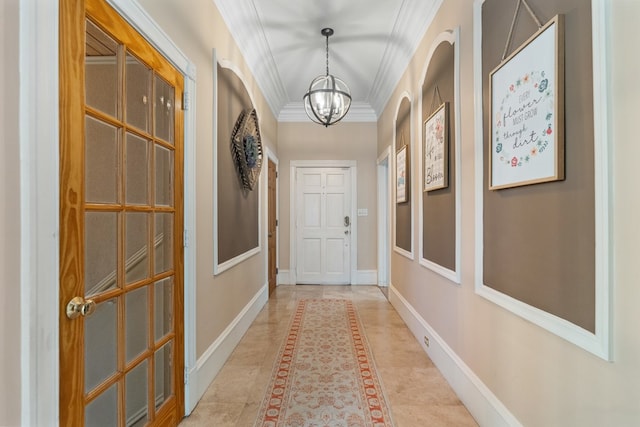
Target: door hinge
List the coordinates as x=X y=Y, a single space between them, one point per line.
x=277 y=270
x=276 y=222
x=186 y=375
x=185 y=239
x=276 y=174
x=186 y=99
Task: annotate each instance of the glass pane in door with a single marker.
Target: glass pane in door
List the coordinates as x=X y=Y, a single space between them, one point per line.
x=101 y=161
x=103 y=411
x=136 y=246
x=163 y=242
x=101 y=252
x=163 y=377
x=101 y=66
x=101 y=344
x=163 y=314
x=137 y=410
x=137 y=170
x=164 y=100
x=138 y=90
x=164 y=176
x=136 y=330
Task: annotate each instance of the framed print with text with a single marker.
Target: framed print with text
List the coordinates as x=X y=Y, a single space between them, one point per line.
x=401 y=175
x=436 y=149
x=527 y=112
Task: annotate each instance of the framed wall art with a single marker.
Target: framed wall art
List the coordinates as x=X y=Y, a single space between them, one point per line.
x=401 y=175
x=436 y=149
x=246 y=146
x=527 y=111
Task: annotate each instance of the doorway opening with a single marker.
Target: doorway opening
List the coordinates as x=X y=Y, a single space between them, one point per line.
x=323 y=247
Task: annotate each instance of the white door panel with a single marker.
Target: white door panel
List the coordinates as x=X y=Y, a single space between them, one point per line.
x=323 y=203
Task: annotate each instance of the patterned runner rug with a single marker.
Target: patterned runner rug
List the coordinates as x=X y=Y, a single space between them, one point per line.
x=324 y=375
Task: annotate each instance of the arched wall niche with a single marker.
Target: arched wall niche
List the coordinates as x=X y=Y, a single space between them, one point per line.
x=403 y=141
x=439 y=209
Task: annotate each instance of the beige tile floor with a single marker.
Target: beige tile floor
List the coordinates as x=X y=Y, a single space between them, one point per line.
x=417 y=393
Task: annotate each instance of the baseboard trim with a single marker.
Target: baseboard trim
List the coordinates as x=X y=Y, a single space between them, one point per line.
x=284 y=278
x=366 y=277
x=362 y=277
x=209 y=364
x=483 y=405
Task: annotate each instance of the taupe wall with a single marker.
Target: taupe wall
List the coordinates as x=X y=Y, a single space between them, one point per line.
x=439 y=206
x=343 y=141
x=404 y=137
x=197 y=27
x=9 y=218
x=541 y=379
x=539 y=240
x=238 y=208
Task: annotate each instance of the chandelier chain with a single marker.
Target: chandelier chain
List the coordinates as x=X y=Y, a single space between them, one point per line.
x=327 y=54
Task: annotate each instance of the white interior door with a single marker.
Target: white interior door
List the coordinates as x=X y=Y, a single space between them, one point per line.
x=323 y=203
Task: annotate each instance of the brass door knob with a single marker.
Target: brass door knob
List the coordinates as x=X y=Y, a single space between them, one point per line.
x=78 y=306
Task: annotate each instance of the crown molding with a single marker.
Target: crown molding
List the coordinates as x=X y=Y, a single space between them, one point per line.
x=255 y=50
x=358 y=112
x=405 y=37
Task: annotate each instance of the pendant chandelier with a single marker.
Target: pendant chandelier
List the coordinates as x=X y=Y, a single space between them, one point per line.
x=328 y=98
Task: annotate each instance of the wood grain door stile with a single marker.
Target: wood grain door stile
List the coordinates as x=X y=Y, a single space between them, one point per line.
x=273 y=226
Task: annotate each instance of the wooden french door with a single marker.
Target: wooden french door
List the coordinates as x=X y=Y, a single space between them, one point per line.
x=121 y=213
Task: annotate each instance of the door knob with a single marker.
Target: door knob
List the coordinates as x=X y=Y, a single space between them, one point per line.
x=78 y=306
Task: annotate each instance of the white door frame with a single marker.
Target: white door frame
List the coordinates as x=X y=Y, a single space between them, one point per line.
x=295 y=164
x=384 y=223
x=40 y=195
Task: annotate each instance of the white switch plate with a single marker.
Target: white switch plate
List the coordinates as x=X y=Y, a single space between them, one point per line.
x=363 y=212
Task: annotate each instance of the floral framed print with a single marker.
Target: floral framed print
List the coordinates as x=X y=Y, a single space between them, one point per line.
x=401 y=175
x=527 y=112
x=436 y=149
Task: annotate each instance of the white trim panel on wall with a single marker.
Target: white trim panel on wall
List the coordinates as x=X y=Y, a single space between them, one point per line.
x=453 y=38
x=412 y=186
x=217 y=266
x=598 y=343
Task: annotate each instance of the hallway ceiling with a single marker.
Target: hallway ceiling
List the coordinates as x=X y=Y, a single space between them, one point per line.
x=374 y=41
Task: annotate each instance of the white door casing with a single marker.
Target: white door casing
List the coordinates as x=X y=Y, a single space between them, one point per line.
x=384 y=224
x=323 y=222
